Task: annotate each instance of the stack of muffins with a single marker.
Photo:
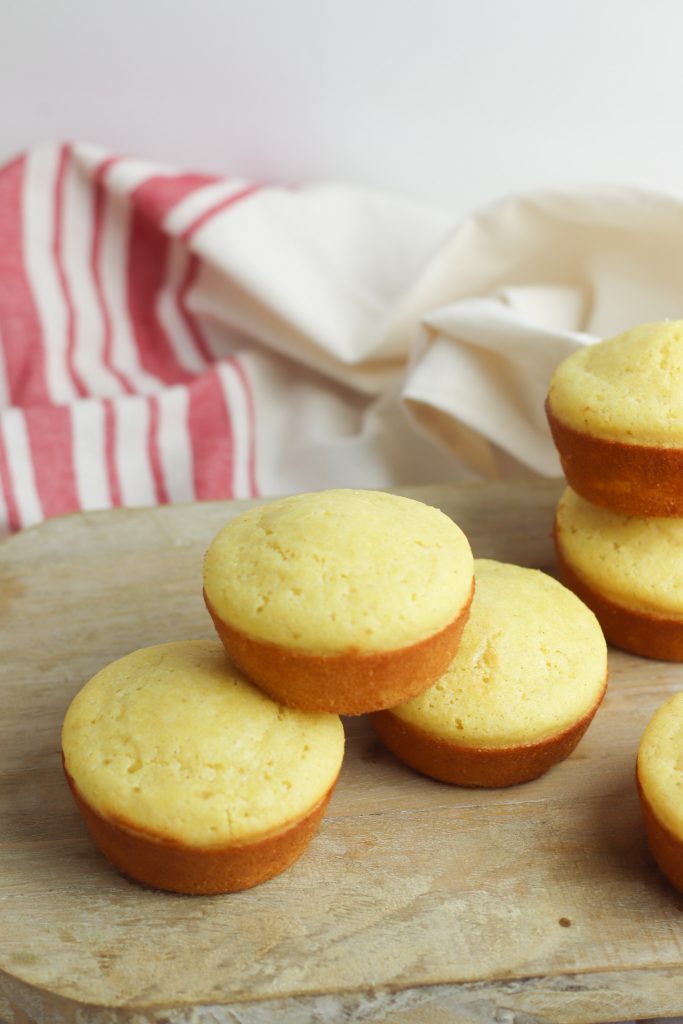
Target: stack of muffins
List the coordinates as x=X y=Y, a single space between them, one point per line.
x=616 y=414
x=202 y=773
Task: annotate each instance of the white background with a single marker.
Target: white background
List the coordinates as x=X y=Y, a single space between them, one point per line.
x=453 y=102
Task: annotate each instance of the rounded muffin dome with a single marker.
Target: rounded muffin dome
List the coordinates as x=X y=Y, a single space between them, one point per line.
x=629 y=570
x=660 y=787
x=524 y=685
x=189 y=777
x=627 y=388
x=343 y=601
x=336 y=570
x=616 y=417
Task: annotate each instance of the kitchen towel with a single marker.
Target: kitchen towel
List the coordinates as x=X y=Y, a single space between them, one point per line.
x=173 y=336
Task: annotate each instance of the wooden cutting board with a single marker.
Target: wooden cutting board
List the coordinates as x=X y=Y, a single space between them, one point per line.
x=417 y=902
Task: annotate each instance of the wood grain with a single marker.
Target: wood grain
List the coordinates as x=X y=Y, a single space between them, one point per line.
x=416 y=902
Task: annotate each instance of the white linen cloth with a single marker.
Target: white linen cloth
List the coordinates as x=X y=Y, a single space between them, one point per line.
x=167 y=336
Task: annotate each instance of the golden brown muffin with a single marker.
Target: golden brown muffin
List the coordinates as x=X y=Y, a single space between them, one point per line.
x=341 y=601
x=616 y=417
x=629 y=570
x=660 y=787
x=190 y=778
x=525 y=684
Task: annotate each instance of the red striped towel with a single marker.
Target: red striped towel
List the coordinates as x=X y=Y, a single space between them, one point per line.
x=111 y=390
x=164 y=335
x=168 y=336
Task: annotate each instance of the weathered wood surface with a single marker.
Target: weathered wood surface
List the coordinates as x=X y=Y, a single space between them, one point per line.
x=418 y=902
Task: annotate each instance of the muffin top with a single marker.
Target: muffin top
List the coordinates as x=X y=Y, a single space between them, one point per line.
x=632 y=560
x=173 y=740
x=339 y=570
x=627 y=388
x=660 y=763
x=531 y=663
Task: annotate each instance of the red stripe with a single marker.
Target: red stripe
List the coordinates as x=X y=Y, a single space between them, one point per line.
x=156 y=197
x=110 y=453
x=213 y=463
x=153 y=452
x=218 y=207
x=251 y=414
x=148 y=257
x=189 y=319
x=50 y=440
x=20 y=332
x=194 y=266
x=99 y=206
x=57 y=251
x=211 y=438
x=145 y=278
x=13 y=518
x=147 y=266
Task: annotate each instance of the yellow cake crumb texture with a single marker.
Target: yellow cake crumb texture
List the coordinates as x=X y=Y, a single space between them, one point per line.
x=173 y=739
x=660 y=763
x=532 y=661
x=339 y=570
x=634 y=561
x=626 y=388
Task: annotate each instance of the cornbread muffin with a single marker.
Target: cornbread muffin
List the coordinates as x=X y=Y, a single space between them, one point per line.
x=342 y=601
x=616 y=417
x=660 y=787
x=191 y=779
x=629 y=570
x=520 y=693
